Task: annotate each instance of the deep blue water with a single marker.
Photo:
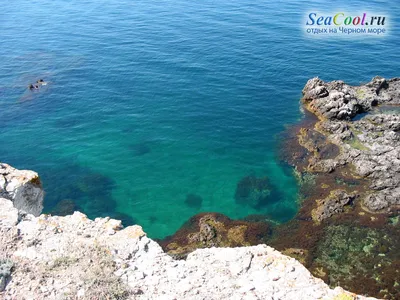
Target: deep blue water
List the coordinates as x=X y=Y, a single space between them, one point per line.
x=150 y=101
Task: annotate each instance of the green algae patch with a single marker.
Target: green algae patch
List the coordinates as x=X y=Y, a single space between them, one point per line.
x=360 y=94
x=352 y=255
x=394 y=220
x=344 y=297
x=357 y=144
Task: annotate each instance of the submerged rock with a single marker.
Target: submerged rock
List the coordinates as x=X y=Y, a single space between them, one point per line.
x=253 y=191
x=359 y=255
x=194 y=201
x=98 y=189
x=140 y=149
x=64 y=207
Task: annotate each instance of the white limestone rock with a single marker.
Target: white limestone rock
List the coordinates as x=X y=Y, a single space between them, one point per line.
x=73 y=257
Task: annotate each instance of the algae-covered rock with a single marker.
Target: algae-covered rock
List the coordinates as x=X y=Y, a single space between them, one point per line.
x=215 y=230
x=370 y=144
x=352 y=255
x=331 y=205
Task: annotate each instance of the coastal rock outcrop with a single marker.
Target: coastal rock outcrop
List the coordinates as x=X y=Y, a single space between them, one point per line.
x=337 y=100
x=23 y=188
x=370 y=143
x=333 y=204
x=346 y=155
x=207 y=230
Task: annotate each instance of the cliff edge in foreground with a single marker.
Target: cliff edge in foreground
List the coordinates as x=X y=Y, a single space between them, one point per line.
x=73 y=257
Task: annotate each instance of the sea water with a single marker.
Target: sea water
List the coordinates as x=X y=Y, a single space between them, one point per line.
x=149 y=102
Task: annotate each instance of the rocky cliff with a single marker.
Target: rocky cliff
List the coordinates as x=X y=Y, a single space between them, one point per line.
x=72 y=257
x=23 y=188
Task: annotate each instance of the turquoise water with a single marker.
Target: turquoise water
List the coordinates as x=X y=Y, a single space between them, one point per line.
x=150 y=101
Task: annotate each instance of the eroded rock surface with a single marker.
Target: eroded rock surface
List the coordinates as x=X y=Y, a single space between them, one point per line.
x=73 y=257
x=336 y=100
x=371 y=144
x=331 y=205
x=23 y=188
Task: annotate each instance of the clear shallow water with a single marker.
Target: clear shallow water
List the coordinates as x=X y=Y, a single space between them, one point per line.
x=150 y=101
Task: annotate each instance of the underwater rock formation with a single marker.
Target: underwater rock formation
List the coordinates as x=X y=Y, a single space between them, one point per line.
x=140 y=149
x=253 y=191
x=194 y=201
x=64 y=207
x=98 y=189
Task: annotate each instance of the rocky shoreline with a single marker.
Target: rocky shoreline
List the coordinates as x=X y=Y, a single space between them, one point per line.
x=72 y=257
x=346 y=155
x=348 y=161
x=370 y=144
